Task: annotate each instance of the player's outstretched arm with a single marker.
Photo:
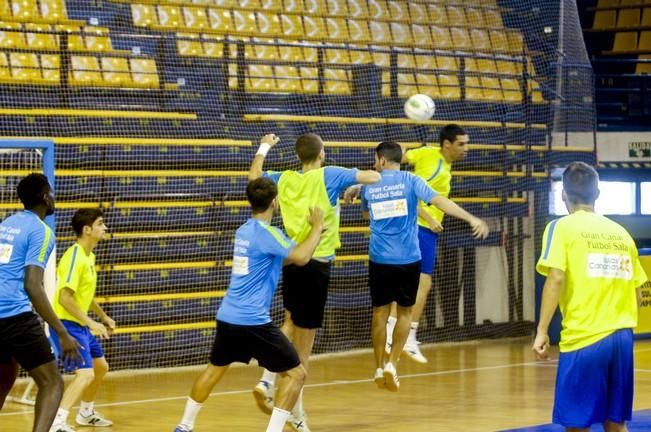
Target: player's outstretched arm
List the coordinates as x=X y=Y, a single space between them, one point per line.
x=38 y=297
x=266 y=142
x=551 y=294
x=303 y=252
x=479 y=227
x=367 y=176
x=67 y=300
x=433 y=224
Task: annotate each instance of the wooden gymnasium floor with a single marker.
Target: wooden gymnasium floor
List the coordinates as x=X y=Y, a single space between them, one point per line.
x=477 y=386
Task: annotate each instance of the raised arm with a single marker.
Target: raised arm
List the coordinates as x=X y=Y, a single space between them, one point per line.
x=479 y=227
x=266 y=142
x=303 y=252
x=367 y=176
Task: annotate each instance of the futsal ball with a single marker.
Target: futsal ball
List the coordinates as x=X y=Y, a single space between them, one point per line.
x=420 y=107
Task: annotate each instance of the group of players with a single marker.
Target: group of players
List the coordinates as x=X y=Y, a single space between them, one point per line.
x=405 y=212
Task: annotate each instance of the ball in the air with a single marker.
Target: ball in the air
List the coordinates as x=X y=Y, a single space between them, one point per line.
x=419 y=107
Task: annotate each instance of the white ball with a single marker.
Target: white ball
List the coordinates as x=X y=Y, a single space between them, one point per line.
x=420 y=107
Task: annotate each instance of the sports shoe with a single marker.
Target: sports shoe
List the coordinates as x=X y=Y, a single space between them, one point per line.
x=379 y=378
x=391 y=380
x=263 y=393
x=94 y=419
x=412 y=350
x=298 y=423
x=61 y=427
x=180 y=428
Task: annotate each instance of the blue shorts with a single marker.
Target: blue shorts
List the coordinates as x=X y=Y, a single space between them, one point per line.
x=90 y=347
x=595 y=383
x=427 y=244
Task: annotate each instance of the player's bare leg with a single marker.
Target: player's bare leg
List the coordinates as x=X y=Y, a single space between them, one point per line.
x=50 y=389
x=87 y=415
x=201 y=389
x=289 y=386
x=379 y=338
x=614 y=427
x=8 y=374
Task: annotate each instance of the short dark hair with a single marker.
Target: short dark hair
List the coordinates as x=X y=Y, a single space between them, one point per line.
x=450 y=132
x=308 y=147
x=31 y=190
x=581 y=183
x=85 y=217
x=260 y=193
x=390 y=150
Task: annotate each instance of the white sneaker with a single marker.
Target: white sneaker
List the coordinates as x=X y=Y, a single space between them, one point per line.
x=298 y=423
x=412 y=350
x=61 y=427
x=391 y=380
x=263 y=393
x=379 y=378
x=94 y=419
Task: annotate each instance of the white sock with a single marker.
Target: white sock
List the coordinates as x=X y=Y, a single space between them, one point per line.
x=86 y=408
x=391 y=324
x=62 y=416
x=192 y=409
x=269 y=377
x=298 y=410
x=413 y=328
x=278 y=419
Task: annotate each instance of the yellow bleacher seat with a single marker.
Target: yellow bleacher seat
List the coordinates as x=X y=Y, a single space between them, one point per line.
x=266 y=52
x=486 y=65
x=361 y=56
x=144 y=73
x=202 y=2
x=272 y=5
x=398 y=10
x=337 y=29
x=428 y=84
x=51 y=68
x=382 y=59
x=232 y=76
x=475 y=18
x=169 y=17
x=75 y=39
x=480 y=39
x=337 y=56
x=244 y=22
x=290 y=53
x=406 y=61
x=311 y=54
x=456 y=16
x=11 y=35
x=115 y=71
x=625 y=41
x=406 y=85
x=144 y=15
x=220 y=20
x=268 y=24
x=249 y=4
x=437 y=14
x=473 y=88
x=377 y=10
x=460 y=39
x=292 y=26
x=25 y=68
x=516 y=43
x=499 y=40
x=288 y=79
x=425 y=61
x=628 y=18
x=359 y=31
x=315 y=27
x=386 y=84
x=441 y=38
x=641 y=68
x=449 y=86
x=447 y=63
x=491 y=89
x=85 y=71
x=25 y=10
x=645 y=40
x=380 y=32
x=5 y=8
x=646 y=17
x=195 y=18
x=511 y=90
x=314 y=7
x=493 y=18
x=337 y=81
x=310 y=79
x=422 y=36
x=188 y=44
x=39 y=40
x=357 y=9
x=226 y=4
x=260 y=79
x=212 y=46
x=535 y=92
x=509 y=67
x=604 y=19
x=97 y=39
x=337 y=8
x=293 y=6
x=401 y=34
x=53 y=10
x=418 y=13
x=5 y=72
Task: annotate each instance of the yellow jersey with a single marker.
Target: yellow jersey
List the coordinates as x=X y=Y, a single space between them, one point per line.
x=76 y=271
x=602 y=272
x=430 y=165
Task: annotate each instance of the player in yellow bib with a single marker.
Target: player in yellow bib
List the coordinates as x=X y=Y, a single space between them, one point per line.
x=594 y=275
x=434 y=165
x=74 y=297
x=305 y=288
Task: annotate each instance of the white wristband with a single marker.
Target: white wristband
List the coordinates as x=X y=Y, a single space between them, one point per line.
x=263 y=149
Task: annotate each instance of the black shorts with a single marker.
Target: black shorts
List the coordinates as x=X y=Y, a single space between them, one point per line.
x=305 y=291
x=265 y=343
x=393 y=283
x=23 y=338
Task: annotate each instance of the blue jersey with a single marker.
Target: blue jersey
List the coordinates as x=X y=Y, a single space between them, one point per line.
x=257 y=260
x=24 y=240
x=336 y=179
x=392 y=204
